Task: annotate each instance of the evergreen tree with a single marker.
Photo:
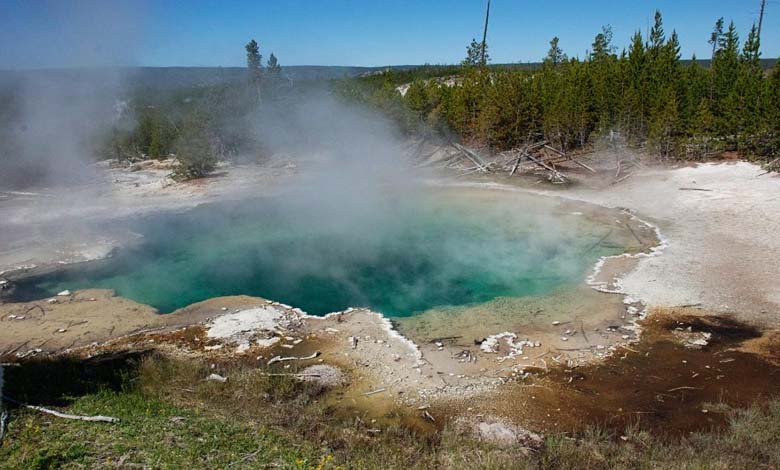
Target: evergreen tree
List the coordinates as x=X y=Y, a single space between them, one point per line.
x=602 y=48
x=273 y=66
x=254 y=63
x=715 y=37
x=474 y=54
x=726 y=71
x=195 y=149
x=555 y=55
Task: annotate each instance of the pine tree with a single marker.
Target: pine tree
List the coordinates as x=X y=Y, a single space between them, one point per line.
x=272 y=65
x=254 y=63
x=715 y=37
x=555 y=55
x=726 y=70
x=604 y=77
x=474 y=55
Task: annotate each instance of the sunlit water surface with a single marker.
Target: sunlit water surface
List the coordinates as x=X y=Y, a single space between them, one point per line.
x=400 y=255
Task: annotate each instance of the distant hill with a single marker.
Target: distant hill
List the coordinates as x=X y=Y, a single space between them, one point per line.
x=167 y=78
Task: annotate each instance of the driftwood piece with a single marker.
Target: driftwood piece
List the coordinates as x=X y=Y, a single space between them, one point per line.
x=694 y=189
x=292 y=358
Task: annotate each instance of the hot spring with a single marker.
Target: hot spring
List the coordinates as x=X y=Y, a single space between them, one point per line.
x=405 y=253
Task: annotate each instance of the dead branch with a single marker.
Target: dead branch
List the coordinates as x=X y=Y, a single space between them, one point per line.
x=292 y=358
x=374 y=392
x=694 y=189
x=92 y=419
x=289 y=374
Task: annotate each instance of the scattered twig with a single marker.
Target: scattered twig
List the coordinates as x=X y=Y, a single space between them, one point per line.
x=582 y=330
x=43 y=312
x=245 y=458
x=695 y=189
x=444 y=338
x=289 y=374
x=683 y=388
x=374 y=392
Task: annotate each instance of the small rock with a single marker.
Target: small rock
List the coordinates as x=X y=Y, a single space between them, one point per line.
x=217 y=378
x=64 y=293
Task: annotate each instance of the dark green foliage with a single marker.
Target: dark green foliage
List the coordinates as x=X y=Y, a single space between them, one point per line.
x=474 y=55
x=646 y=93
x=195 y=150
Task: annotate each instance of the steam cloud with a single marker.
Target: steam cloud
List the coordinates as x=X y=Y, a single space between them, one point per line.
x=52 y=117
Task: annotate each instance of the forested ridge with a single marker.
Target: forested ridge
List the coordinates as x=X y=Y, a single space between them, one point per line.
x=645 y=94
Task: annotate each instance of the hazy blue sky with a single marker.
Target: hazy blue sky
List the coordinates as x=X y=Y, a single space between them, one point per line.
x=342 y=32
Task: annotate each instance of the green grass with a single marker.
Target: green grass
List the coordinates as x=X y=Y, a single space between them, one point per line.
x=151 y=433
x=171 y=418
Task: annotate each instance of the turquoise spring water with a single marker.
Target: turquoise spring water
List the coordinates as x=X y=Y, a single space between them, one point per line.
x=400 y=256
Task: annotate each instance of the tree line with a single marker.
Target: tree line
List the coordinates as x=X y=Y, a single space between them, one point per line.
x=199 y=126
x=645 y=94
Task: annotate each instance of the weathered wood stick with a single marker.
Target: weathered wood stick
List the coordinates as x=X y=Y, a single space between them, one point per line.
x=547 y=167
x=576 y=162
x=292 y=358
x=101 y=419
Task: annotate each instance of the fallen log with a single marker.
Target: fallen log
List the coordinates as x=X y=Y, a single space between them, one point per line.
x=476 y=159
x=552 y=170
x=576 y=162
x=517 y=163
